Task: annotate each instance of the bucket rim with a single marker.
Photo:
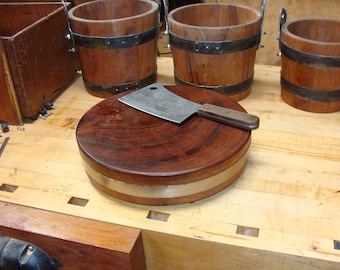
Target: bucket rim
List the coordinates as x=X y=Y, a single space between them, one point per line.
x=154 y=7
x=258 y=16
x=287 y=32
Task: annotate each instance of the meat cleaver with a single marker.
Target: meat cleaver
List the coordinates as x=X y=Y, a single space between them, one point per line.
x=158 y=101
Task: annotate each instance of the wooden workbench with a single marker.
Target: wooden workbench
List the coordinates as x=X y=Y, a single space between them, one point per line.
x=282 y=213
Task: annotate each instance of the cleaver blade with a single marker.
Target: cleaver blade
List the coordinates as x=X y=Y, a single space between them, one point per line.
x=158 y=101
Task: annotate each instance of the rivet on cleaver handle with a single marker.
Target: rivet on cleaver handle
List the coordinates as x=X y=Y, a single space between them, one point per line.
x=158 y=101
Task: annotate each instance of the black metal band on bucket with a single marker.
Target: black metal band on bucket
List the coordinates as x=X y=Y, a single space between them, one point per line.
x=308 y=59
x=310 y=93
x=115 y=42
x=231 y=89
x=214 y=47
x=104 y=89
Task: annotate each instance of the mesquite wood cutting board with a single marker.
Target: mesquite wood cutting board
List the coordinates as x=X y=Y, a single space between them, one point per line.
x=142 y=159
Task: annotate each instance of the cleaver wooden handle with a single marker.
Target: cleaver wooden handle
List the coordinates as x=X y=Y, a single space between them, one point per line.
x=230 y=117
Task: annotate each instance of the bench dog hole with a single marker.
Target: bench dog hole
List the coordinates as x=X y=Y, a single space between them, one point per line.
x=248 y=231
x=337 y=244
x=78 y=201
x=8 y=188
x=158 y=216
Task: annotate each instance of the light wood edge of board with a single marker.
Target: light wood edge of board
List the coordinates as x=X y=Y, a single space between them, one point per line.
x=169 y=194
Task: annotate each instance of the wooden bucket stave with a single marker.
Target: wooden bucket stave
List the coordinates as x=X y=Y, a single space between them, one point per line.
x=214 y=46
x=310 y=69
x=117 y=44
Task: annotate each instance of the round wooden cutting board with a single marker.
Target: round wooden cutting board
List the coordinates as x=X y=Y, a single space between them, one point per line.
x=142 y=159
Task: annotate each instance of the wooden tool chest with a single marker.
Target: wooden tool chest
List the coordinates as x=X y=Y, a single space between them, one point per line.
x=36 y=61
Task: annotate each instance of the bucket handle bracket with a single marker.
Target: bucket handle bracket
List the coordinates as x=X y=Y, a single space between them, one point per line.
x=70 y=34
x=282 y=21
x=262 y=9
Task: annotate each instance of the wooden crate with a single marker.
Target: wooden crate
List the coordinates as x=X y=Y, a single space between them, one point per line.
x=37 y=55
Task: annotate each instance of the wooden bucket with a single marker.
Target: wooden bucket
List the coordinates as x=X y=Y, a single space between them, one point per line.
x=214 y=46
x=117 y=44
x=310 y=68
